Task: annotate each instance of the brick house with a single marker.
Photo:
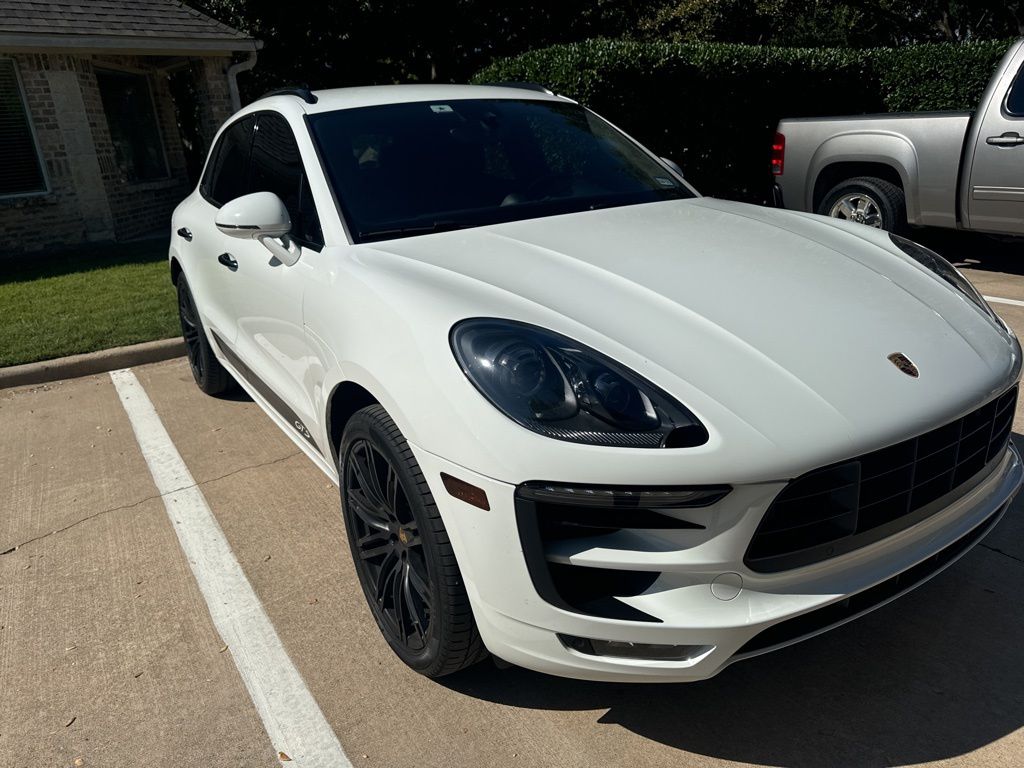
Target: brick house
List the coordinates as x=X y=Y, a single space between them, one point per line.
x=90 y=144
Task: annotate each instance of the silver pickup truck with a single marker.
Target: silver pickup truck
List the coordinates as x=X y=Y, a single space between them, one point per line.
x=958 y=170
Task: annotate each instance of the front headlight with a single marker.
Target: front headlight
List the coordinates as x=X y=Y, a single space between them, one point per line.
x=935 y=263
x=562 y=389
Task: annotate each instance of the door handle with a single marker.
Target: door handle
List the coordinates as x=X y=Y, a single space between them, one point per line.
x=1006 y=140
x=228 y=261
x=185 y=233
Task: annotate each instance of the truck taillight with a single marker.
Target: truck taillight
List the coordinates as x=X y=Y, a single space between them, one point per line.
x=778 y=154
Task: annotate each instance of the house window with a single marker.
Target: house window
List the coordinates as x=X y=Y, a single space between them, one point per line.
x=21 y=172
x=128 y=104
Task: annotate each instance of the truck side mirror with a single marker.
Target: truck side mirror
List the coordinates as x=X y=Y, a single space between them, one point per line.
x=673 y=165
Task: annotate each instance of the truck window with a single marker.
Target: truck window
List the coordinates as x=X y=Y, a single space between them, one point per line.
x=1015 y=96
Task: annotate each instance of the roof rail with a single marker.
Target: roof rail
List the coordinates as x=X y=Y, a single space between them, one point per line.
x=523 y=87
x=302 y=91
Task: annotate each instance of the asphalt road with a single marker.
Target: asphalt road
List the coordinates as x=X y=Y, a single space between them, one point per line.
x=109 y=655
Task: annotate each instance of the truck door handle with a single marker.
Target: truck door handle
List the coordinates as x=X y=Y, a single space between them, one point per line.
x=228 y=261
x=1006 y=140
x=185 y=233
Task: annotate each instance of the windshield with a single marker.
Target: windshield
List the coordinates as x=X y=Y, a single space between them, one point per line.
x=400 y=170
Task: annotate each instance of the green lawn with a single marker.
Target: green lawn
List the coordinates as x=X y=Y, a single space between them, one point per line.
x=85 y=299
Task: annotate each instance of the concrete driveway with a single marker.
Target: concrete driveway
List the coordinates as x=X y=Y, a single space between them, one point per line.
x=109 y=655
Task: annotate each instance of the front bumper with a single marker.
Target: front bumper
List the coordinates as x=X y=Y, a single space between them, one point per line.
x=705 y=597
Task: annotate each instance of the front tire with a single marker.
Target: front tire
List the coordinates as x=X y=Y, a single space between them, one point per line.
x=867 y=200
x=403 y=557
x=210 y=375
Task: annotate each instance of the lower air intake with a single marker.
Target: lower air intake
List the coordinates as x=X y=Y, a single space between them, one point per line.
x=549 y=513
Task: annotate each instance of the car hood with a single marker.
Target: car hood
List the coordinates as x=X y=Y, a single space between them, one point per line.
x=782 y=320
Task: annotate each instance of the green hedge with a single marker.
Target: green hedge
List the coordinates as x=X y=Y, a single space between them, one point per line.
x=936 y=77
x=713 y=107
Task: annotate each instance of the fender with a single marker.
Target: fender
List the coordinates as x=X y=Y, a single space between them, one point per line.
x=888 y=148
x=352 y=373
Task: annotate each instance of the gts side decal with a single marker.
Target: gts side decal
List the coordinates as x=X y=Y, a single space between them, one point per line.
x=301 y=428
x=268 y=394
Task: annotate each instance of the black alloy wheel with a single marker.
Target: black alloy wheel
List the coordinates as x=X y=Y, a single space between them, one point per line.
x=209 y=374
x=190 y=331
x=389 y=545
x=402 y=554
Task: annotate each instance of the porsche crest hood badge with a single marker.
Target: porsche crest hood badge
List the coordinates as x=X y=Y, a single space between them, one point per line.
x=905 y=364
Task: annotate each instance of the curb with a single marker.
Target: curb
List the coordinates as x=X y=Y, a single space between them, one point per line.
x=89 y=363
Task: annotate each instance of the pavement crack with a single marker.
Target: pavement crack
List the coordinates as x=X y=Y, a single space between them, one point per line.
x=123 y=507
x=78 y=522
x=278 y=460
x=1002 y=552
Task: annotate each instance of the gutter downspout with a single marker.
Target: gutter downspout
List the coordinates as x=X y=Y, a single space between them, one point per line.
x=232 y=73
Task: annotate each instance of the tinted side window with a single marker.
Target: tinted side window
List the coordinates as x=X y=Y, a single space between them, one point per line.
x=227 y=174
x=277 y=168
x=1015 y=98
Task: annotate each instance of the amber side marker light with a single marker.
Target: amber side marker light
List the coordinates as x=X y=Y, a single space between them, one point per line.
x=463 y=491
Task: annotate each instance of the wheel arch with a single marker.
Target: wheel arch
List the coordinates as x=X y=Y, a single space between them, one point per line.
x=833 y=174
x=346 y=399
x=842 y=157
x=175 y=270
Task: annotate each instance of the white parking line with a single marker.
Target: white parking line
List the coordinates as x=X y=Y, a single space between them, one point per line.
x=998 y=300
x=290 y=714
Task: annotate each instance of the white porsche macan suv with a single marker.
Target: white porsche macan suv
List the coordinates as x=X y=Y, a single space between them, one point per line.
x=580 y=416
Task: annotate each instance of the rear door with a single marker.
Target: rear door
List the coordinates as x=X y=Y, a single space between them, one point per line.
x=996 y=191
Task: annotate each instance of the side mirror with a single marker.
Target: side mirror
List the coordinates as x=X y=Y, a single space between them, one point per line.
x=674 y=166
x=260 y=216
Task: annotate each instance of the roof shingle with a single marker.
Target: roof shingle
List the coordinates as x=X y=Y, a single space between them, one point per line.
x=147 y=19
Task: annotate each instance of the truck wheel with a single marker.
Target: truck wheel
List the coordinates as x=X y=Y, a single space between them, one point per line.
x=867 y=200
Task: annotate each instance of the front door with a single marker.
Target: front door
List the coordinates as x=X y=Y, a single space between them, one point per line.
x=996 y=202
x=226 y=177
x=270 y=345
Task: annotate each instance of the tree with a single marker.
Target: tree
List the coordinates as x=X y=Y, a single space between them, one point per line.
x=358 y=42
x=855 y=23
x=959 y=21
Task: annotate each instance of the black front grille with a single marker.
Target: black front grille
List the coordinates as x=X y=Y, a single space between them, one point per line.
x=845 y=506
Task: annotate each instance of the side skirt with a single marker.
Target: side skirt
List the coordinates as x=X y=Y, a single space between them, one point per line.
x=273 y=406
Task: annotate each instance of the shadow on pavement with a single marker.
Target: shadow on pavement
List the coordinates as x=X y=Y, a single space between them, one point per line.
x=235 y=395
x=973 y=250
x=936 y=674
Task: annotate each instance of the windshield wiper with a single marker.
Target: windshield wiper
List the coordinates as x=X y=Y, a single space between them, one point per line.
x=423 y=229
x=618 y=201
